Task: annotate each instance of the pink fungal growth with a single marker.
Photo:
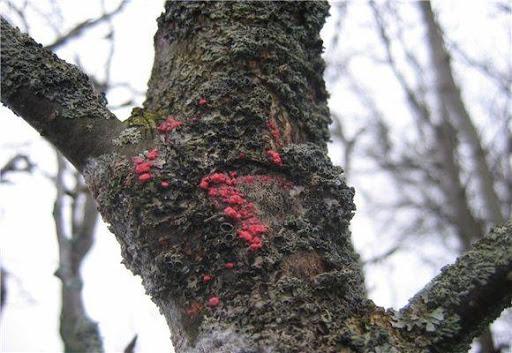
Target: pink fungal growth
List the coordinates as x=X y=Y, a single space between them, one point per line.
x=256 y=228
x=222 y=188
x=220 y=178
x=152 y=154
x=202 y=101
x=275 y=157
x=245 y=235
x=168 y=125
x=229 y=265
x=143 y=167
x=165 y=184
x=235 y=200
x=204 y=183
x=143 y=178
x=137 y=160
x=232 y=213
x=213 y=301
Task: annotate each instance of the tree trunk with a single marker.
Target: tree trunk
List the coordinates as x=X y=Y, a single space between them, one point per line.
x=243 y=84
x=225 y=203
x=78 y=331
x=451 y=96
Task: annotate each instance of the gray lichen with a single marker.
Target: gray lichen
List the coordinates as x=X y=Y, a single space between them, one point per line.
x=129 y=136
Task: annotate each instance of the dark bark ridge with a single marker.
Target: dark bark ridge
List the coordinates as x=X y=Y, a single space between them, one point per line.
x=54 y=97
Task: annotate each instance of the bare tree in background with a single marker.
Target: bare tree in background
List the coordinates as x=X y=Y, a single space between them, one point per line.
x=451 y=179
x=75 y=215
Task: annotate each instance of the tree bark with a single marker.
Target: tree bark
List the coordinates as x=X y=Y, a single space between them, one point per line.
x=460 y=295
x=225 y=203
x=55 y=98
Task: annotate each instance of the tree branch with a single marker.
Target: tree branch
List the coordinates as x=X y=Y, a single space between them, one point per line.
x=55 y=98
x=85 y=25
x=459 y=303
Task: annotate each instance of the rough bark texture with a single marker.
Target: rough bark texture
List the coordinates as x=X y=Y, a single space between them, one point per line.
x=55 y=98
x=224 y=201
x=244 y=79
x=458 y=298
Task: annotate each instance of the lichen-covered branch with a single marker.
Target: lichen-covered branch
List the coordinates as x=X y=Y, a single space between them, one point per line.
x=55 y=98
x=456 y=306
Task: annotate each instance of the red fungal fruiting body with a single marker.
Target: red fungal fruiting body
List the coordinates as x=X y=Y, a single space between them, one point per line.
x=222 y=187
x=137 y=160
x=207 y=278
x=165 y=184
x=229 y=265
x=231 y=213
x=257 y=229
x=236 y=200
x=213 y=301
x=153 y=154
x=204 y=183
x=224 y=192
x=220 y=178
x=145 y=177
x=143 y=167
x=202 y=101
x=245 y=235
x=168 y=125
x=275 y=157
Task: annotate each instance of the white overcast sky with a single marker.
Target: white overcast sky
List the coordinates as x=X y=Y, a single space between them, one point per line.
x=113 y=296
